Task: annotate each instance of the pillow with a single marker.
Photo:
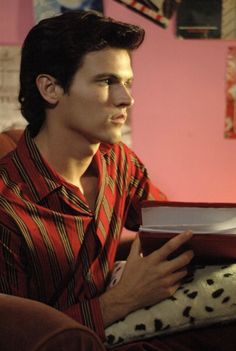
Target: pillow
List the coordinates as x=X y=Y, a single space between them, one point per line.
x=206 y=296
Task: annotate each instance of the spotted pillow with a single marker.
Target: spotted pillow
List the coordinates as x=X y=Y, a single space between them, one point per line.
x=207 y=296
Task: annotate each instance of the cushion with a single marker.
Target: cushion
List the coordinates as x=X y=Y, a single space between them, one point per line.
x=206 y=296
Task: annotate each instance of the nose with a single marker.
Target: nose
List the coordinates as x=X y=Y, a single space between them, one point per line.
x=122 y=96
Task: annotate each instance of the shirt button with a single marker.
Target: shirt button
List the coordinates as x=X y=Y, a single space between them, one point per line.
x=89 y=277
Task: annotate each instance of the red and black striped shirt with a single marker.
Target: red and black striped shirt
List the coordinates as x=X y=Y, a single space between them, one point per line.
x=53 y=248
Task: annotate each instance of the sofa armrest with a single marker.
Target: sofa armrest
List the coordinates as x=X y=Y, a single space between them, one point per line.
x=28 y=325
x=9 y=140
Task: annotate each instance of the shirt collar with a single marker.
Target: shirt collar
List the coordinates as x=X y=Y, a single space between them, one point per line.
x=44 y=179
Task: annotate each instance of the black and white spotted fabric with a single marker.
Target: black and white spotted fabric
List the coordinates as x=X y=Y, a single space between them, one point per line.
x=207 y=296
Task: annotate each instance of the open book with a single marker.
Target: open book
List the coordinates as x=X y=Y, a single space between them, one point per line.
x=213 y=225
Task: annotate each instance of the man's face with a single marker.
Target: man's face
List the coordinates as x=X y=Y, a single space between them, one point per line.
x=96 y=104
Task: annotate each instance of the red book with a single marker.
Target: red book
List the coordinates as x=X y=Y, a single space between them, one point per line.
x=213 y=225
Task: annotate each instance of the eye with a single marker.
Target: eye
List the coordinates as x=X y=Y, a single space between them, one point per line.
x=128 y=84
x=107 y=81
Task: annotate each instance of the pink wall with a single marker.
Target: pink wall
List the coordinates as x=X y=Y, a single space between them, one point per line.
x=178 y=117
x=16 y=18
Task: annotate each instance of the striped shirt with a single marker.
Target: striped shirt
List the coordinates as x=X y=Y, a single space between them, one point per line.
x=53 y=248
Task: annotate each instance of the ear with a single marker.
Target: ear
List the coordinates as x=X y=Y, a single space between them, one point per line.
x=49 y=88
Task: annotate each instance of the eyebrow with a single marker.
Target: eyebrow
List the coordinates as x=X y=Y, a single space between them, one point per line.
x=113 y=76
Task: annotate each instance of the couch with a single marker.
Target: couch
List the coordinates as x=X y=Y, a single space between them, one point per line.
x=27 y=325
x=8 y=140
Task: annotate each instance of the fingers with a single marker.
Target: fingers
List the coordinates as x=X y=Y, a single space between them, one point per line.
x=169 y=284
x=135 y=247
x=171 y=290
x=173 y=244
x=172 y=266
x=179 y=262
x=175 y=278
x=152 y=278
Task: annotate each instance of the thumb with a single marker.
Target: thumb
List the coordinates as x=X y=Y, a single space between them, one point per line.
x=135 y=247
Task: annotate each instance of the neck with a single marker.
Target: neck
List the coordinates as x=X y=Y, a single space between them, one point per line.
x=69 y=154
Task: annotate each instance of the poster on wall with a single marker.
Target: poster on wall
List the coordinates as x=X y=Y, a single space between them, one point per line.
x=48 y=8
x=230 y=118
x=158 y=11
x=10 y=116
x=213 y=19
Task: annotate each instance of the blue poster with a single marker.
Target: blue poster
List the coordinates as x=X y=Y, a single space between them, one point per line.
x=48 y=8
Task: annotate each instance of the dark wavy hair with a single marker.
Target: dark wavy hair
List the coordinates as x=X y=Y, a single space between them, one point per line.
x=57 y=46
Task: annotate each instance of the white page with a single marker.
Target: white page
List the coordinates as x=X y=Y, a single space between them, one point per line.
x=197 y=219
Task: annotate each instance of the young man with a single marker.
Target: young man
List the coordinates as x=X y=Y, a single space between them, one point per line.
x=70 y=187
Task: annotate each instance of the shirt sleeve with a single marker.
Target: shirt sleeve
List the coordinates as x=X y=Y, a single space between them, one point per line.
x=15 y=280
x=88 y=312
x=140 y=189
x=13 y=273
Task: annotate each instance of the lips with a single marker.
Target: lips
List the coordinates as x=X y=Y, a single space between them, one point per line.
x=119 y=119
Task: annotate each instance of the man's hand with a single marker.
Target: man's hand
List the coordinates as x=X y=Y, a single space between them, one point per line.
x=153 y=278
x=146 y=280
